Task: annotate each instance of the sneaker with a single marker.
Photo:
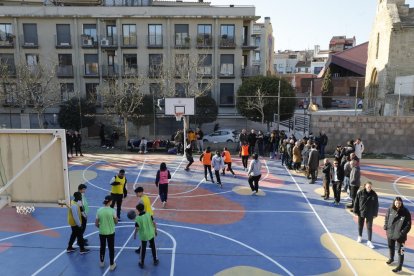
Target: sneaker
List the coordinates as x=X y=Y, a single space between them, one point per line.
x=163 y=204
x=254 y=193
x=84 y=251
x=359 y=239
x=112 y=267
x=138 y=251
x=141 y=265
x=119 y=219
x=234 y=176
x=70 y=250
x=156 y=262
x=145 y=151
x=186 y=169
x=101 y=264
x=370 y=245
x=390 y=261
x=221 y=185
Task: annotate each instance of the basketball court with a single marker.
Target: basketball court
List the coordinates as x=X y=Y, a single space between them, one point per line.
x=287 y=229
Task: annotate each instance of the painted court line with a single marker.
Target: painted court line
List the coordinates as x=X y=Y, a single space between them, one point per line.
x=120 y=251
x=323 y=225
x=394 y=185
x=235 y=211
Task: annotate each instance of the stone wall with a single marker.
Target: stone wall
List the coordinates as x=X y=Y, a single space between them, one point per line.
x=379 y=134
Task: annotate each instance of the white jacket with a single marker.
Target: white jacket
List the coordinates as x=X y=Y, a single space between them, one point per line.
x=255 y=168
x=217 y=163
x=359 y=149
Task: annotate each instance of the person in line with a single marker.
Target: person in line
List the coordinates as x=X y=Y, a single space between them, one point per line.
x=359 y=148
x=242 y=137
x=227 y=161
x=366 y=208
x=354 y=181
x=346 y=164
x=114 y=139
x=337 y=179
x=205 y=158
x=254 y=173
x=296 y=156
x=313 y=163
x=252 y=138
x=118 y=191
x=199 y=135
x=327 y=176
x=323 y=141
x=244 y=153
x=283 y=152
x=143 y=145
x=85 y=209
x=75 y=222
x=105 y=221
x=218 y=164
x=161 y=181
x=102 y=135
x=260 y=142
x=189 y=156
x=144 y=199
x=78 y=143
x=69 y=143
x=397 y=225
x=147 y=229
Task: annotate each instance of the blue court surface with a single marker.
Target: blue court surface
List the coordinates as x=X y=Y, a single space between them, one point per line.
x=287 y=229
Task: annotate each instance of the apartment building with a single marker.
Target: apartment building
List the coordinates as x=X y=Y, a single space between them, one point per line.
x=90 y=41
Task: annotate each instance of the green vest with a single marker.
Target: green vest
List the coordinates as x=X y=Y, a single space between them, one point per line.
x=146 y=228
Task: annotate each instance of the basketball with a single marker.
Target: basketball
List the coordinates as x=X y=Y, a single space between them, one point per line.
x=131 y=214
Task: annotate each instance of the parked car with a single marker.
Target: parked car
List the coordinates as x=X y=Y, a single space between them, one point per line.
x=305 y=104
x=222 y=135
x=341 y=104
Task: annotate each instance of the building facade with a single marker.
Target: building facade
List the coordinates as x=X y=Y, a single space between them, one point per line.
x=390 y=55
x=92 y=41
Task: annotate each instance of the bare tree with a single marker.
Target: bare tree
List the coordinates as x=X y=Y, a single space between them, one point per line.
x=257 y=102
x=123 y=97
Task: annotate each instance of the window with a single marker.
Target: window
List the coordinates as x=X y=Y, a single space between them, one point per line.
x=257 y=41
x=182 y=65
x=67 y=91
x=204 y=64
x=257 y=56
x=155 y=89
x=32 y=60
x=245 y=35
x=89 y=30
x=227 y=94
x=227 y=65
x=30 y=34
x=129 y=35
x=130 y=64
x=65 y=65
x=227 y=36
x=8 y=60
x=10 y=92
x=181 y=35
x=91 y=64
x=204 y=89
x=204 y=35
x=111 y=34
x=352 y=91
x=91 y=93
x=63 y=35
x=181 y=89
x=6 y=34
x=155 y=65
x=154 y=35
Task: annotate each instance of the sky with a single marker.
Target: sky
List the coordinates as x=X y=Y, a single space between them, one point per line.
x=301 y=24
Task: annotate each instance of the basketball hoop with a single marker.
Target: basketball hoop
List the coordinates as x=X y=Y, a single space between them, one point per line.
x=179 y=116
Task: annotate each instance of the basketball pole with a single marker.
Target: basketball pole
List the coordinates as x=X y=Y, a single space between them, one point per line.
x=185 y=133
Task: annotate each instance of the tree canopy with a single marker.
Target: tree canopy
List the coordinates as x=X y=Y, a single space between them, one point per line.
x=327 y=89
x=70 y=115
x=206 y=110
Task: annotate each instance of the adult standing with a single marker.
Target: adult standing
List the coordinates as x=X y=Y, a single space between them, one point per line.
x=305 y=154
x=118 y=191
x=359 y=148
x=75 y=222
x=199 y=135
x=327 y=176
x=260 y=142
x=313 y=163
x=272 y=144
x=354 y=181
x=255 y=173
x=366 y=208
x=102 y=135
x=78 y=143
x=161 y=181
x=242 y=137
x=69 y=143
x=105 y=221
x=397 y=225
x=337 y=179
x=296 y=156
x=252 y=138
x=323 y=141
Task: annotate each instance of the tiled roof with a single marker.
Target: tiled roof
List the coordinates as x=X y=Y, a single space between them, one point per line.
x=354 y=59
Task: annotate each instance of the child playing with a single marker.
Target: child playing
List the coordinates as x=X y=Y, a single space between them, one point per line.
x=145 y=225
x=218 y=164
x=189 y=156
x=144 y=199
x=161 y=181
x=227 y=160
x=206 y=157
x=244 y=153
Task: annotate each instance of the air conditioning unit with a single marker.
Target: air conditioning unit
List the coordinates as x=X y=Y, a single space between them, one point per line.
x=104 y=42
x=87 y=41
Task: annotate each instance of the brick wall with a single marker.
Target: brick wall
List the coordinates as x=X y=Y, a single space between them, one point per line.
x=379 y=134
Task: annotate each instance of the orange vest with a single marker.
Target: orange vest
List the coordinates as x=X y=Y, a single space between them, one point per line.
x=227 y=156
x=207 y=158
x=245 y=150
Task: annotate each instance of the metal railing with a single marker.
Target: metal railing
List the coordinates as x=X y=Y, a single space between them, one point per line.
x=64 y=71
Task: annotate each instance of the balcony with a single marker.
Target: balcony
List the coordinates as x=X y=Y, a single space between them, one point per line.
x=205 y=71
x=227 y=42
x=64 y=71
x=62 y=44
x=7 y=41
x=155 y=42
x=109 y=42
x=248 y=45
x=204 y=41
x=257 y=30
x=256 y=61
x=129 y=42
x=250 y=71
x=29 y=44
x=130 y=70
x=110 y=71
x=88 y=42
x=91 y=70
x=182 y=41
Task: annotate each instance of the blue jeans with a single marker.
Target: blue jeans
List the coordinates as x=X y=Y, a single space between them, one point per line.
x=346 y=184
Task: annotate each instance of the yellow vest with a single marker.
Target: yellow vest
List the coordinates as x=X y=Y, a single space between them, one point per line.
x=118 y=189
x=71 y=220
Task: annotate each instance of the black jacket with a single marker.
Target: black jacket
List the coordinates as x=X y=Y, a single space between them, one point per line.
x=339 y=173
x=366 y=204
x=326 y=170
x=397 y=224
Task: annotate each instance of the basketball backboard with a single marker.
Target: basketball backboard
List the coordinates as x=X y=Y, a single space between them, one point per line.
x=179 y=105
